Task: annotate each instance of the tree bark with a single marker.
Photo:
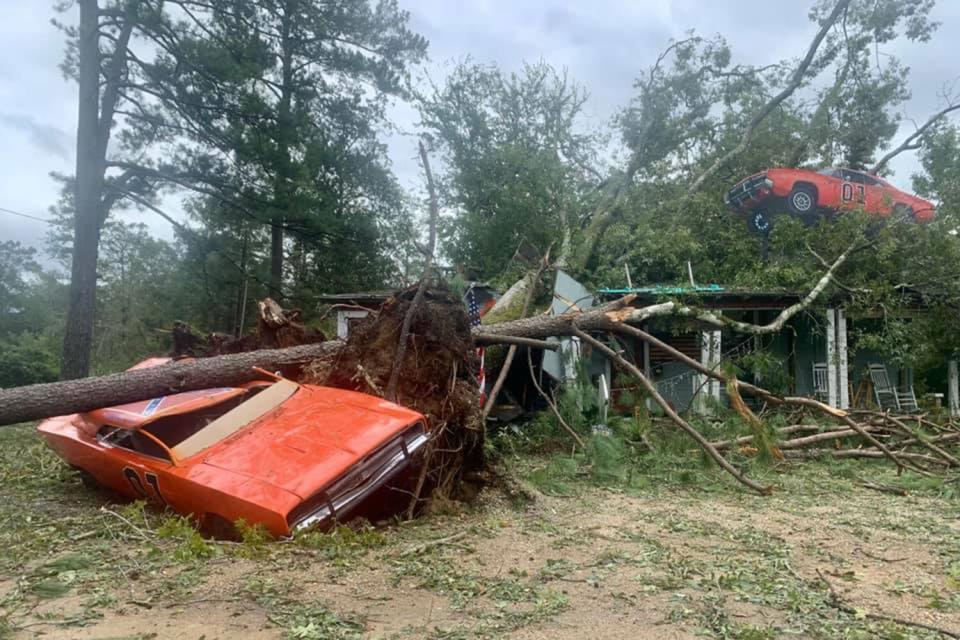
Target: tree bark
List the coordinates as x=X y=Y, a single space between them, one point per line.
x=75 y=361
x=283 y=177
x=33 y=402
x=94 y=122
x=39 y=401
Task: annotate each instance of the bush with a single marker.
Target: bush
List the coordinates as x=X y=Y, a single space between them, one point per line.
x=26 y=358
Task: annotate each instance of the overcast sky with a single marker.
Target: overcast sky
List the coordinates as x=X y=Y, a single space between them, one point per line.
x=603 y=43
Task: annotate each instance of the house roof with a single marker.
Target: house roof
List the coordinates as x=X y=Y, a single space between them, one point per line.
x=357 y=297
x=711 y=296
x=369 y=298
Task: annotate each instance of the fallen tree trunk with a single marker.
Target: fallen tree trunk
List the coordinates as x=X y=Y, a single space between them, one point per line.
x=33 y=402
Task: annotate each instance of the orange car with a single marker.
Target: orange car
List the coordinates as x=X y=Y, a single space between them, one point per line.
x=276 y=453
x=806 y=193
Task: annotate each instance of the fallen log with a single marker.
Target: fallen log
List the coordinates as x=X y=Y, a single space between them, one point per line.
x=33 y=402
x=860 y=453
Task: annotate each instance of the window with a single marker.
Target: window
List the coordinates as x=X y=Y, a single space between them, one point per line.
x=830 y=171
x=851 y=176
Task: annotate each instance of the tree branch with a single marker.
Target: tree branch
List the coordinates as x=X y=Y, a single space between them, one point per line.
x=913 y=141
x=512 y=351
x=673 y=415
x=795 y=81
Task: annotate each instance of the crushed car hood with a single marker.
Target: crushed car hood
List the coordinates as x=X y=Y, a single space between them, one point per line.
x=311 y=439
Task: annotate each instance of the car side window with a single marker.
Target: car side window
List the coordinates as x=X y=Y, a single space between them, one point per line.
x=868 y=180
x=852 y=176
x=132 y=441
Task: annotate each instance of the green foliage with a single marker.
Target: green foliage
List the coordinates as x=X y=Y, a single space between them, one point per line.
x=27 y=358
x=768 y=368
x=512 y=145
x=343 y=544
x=190 y=544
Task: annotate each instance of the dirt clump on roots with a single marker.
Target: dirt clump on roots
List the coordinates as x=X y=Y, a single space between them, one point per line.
x=277 y=328
x=438 y=378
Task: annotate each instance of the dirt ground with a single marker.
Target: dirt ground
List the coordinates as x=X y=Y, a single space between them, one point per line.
x=819 y=559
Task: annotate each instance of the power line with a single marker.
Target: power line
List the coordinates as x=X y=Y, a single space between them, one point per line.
x=25 y=215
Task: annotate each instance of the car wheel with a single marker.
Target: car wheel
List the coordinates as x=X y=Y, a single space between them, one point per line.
x=810 y=219
x=87 y=479
x=802 y=200
x=760 y=222
x=219 y=528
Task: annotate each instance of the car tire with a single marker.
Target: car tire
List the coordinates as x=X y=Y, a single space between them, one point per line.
x=86 y=479
x=217 y=527
x=810 y=219
x=802 y=200
x=760 y=222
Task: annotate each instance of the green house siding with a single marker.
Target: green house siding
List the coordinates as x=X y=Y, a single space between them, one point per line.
x=810 y=347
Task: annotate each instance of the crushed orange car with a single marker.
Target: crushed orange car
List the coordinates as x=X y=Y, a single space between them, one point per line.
x=276 y=453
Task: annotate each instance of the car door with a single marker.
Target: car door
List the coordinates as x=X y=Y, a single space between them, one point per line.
x=880 y=197
x=828 y=188
x=852 y=190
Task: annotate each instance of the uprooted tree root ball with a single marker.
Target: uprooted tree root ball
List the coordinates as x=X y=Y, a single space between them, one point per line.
x=438 y=377
x=277 y=328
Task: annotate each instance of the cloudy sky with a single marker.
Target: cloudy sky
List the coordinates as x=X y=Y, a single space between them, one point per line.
x=603 y=43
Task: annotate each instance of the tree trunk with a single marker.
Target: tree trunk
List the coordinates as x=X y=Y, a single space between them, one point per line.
x=77 y=339
x=33 y=402
x=39 y=401
x=283 y=178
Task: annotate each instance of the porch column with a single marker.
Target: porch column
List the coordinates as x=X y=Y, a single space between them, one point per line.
x=646 y=369
x=953 y=388
x=838 y=381
x=709 y=357
x=843 y=379
x=832 y=357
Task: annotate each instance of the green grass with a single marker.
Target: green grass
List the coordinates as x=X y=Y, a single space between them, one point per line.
x=73 y=556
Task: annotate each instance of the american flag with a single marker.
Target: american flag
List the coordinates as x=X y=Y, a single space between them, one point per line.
x=474 y=312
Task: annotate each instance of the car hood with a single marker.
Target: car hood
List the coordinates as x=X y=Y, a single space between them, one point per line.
x=311 y=439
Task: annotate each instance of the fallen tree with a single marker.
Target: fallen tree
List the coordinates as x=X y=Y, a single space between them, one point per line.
x=436 y=375
x=37 y=401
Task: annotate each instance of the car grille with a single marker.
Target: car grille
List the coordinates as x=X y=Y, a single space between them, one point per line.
x=746 y=190
x=348 y=491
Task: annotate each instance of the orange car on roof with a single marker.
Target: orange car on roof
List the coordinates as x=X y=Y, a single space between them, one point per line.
x=276 y=453
x=807 y=193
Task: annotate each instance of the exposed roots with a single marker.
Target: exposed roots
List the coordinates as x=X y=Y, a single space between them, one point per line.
x=438 y=377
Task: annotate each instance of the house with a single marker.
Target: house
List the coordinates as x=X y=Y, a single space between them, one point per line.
x=350 y=308
x=816 y=354
x=816 y=349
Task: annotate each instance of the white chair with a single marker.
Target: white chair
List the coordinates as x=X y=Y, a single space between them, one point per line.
x=821 y=386
x=886 y=395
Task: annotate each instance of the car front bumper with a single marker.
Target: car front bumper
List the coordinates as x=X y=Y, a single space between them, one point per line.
x=748 y=193
x=335 y=502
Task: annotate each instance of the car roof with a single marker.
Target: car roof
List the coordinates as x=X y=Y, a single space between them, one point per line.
x=135 y=415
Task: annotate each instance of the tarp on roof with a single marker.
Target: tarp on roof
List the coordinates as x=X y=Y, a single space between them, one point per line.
x=568 y=295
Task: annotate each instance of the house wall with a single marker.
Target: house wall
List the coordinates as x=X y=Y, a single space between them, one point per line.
x=676 y=383
x=810 y=346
